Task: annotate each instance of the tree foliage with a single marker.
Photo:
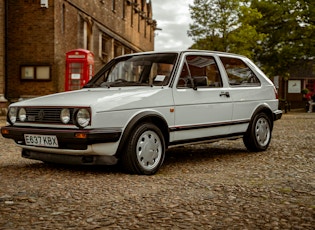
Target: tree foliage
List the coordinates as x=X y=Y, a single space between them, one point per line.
x=289 y=29
x=213 y=22
x=275 y=33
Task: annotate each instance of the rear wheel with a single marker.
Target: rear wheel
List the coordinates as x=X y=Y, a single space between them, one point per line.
x=258 y=135
x=144 y=151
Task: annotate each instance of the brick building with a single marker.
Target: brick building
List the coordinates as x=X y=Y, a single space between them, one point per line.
x=36 y=34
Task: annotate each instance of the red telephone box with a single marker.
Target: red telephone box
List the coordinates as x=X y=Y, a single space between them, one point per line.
x=79 y=68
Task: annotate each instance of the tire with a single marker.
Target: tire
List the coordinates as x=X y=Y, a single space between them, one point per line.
x=144 y=151
x=258 y=135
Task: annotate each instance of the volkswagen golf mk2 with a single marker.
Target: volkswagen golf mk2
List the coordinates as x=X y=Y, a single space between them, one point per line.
x=139 y=105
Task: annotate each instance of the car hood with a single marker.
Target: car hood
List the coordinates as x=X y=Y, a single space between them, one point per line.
x=105 y=99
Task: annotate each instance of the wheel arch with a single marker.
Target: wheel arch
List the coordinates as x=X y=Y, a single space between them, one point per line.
x=147 y=116
x=263 y=109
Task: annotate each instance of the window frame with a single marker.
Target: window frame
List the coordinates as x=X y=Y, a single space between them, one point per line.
x=35 y=71
x=209 y=85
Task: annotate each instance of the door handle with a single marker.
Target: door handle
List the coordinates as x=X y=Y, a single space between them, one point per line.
x=227 y=94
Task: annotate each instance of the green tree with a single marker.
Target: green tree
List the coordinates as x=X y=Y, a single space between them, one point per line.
x=277 y=34
x=245 y=39
x=290 y=33
x=213 y=22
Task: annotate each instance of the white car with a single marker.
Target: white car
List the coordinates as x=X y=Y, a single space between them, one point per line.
x=139 y=105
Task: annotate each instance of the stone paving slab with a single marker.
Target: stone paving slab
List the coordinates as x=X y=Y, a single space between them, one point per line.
x=212 y=186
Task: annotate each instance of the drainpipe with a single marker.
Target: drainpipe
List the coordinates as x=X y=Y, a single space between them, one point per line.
x=3 y=91
x=6 y=12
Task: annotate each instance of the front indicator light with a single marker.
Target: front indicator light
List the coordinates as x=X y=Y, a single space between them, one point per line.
x=5 y=131
x=81 y=135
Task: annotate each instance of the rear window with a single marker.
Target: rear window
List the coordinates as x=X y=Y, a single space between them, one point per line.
x=239 y=73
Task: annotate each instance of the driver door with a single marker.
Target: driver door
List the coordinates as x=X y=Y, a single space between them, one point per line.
x=203 y=105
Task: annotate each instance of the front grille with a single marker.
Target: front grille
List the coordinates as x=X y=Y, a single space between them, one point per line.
x=46 y=115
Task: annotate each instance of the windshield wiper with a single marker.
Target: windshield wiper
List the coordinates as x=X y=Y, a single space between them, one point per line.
x=123 y=83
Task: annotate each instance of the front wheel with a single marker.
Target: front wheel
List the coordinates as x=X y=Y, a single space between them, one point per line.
x=144 y=151
x=258 y=135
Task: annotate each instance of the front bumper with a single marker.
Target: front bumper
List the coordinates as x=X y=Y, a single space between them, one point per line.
x=75 y=139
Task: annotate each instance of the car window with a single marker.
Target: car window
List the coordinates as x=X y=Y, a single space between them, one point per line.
x=239 y=73
x=202 y=70
x=137 y=70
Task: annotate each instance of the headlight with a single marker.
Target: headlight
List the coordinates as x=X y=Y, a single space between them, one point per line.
x=65 y=116
x=83 y=118
x=22 y=114
x=12 y=113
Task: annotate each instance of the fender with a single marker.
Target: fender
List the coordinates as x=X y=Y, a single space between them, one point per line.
x=146 y=116
x=266 y=109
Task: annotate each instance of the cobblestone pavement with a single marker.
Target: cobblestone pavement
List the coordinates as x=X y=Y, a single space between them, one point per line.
x=213 y=186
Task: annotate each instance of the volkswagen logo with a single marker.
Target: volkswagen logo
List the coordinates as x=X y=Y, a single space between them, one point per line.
x=41 y=115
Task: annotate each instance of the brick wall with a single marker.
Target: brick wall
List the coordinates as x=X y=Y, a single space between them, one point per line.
x=42 y=36
x=30 y=42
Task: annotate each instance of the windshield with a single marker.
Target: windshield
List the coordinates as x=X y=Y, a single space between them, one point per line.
x=138 y=70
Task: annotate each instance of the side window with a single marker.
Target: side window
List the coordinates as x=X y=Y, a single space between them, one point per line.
x=239 y=73
x=202 y=70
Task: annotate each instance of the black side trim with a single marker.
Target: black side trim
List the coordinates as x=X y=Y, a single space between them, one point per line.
x=207 y=139
x=211 y=125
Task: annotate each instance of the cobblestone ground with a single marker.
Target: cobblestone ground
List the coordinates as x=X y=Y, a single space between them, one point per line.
x=213 y=186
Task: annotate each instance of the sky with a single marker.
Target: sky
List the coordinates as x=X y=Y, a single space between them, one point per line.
x=173 y=18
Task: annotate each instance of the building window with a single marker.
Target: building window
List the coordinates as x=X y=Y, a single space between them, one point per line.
x=139 y=23
x=117 y=49
x=105 y=48
x=31 y=72
x=113 y=5
x=88 y=34
x=127 y=50
x=131 y=17
x=145 y=29
x=63 y=19
x=124 y=9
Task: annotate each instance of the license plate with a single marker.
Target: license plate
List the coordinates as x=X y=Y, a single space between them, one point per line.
x=41 y=140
